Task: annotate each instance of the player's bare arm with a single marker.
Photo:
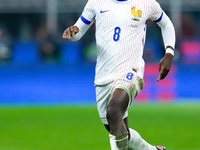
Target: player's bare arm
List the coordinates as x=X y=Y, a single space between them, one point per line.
x=70 y=32
x=168 y=34
x=165 y=65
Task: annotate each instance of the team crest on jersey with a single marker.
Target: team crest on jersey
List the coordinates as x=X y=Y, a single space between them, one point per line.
x=137 y=14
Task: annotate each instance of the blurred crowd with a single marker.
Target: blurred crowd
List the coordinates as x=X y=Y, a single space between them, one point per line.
x=50 y=47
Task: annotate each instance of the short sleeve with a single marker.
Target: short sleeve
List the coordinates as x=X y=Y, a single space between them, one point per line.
x=88 y=14
x=156 y=12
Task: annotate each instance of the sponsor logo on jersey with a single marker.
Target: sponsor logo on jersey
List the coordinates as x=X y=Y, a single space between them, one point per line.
x=137 y=14
x=101 y=11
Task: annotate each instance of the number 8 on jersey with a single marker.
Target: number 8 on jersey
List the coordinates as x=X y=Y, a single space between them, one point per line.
x=116 y=35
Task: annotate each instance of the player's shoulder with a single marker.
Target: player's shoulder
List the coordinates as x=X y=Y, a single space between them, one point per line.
x=146 y=2
x=150 y=2
x=154 y=1
x=94 y=1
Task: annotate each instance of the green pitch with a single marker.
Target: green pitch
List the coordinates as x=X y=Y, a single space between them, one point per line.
x=79 y=128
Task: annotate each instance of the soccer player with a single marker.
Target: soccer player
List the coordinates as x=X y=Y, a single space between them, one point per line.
x=120 y=37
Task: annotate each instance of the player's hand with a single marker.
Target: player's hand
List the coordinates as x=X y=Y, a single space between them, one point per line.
x=70 y=32
x=164 y=66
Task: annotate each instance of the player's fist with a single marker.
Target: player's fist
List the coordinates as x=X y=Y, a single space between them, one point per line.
x=164 y=66
x=70 y=32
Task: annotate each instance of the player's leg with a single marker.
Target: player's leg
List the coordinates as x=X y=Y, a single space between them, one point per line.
x=135 y=141
x=103 y=97
x=117 y=106
x=126 y=123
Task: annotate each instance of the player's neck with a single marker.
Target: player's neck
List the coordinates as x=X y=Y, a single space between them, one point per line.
x=121 y=0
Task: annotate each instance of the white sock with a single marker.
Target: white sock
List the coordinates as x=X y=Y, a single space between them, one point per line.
x=137 y=143
x=119 y=142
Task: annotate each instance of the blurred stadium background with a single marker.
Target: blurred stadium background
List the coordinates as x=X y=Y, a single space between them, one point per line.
x=38 y=68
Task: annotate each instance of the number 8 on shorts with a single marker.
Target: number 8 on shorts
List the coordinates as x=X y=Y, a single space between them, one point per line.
x=129 y=76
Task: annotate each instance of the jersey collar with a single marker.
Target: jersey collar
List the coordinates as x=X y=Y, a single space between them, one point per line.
x=121 y=1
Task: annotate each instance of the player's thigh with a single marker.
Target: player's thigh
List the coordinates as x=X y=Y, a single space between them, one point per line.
x=118 y=102
x=130 y=83
x=102 y=98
